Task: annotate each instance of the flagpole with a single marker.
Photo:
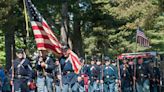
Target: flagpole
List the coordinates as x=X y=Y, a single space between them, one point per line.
x=134 y=76
x=26 y=18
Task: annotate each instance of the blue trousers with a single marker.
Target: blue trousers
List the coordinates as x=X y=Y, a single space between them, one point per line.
x=66 y=88
x=143 y=86
x=20 y=85
x=78 y=88
x=57 y=88
x=109 y=87
x=44 y=84
x=95 y=87
x=154 y=88
x=126 y=87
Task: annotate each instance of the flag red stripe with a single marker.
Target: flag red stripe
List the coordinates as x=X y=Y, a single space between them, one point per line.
x=46 y=25
x=52 y=47
x=37 y=28
x=74 y=65
x=46 y=38
x=49 y=30
x=140 y=33
x=49 y=45
x=41 y=29
x=43 y=36
x=76 y=59
x=142 y=41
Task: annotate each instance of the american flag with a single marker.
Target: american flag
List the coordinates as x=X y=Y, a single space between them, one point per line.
x=141 y=38
x=45 y=38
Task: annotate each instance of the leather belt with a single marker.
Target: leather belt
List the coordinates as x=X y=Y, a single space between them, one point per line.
x=67 y=72
x=143 y=75
x=93 y=78
x=21 y=77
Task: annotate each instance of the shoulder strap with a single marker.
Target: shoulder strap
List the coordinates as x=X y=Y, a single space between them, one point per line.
x=29 y=67
x=111 y=68
x=47 y=59
x=20 y=64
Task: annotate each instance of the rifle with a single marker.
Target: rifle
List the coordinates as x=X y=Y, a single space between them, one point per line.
x=12 y=66
x=134 y=79
x=60 y=78
x=84 y=76
x=102 y=90
x=43 y=70
x=119 y=76
x=102 y=57
x=161 y=79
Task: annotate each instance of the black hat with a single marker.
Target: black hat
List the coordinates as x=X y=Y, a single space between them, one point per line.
x=65 y=48
x=113 y=61
x=124 y=58
x=94 y=58
x=106 y=58
x=81 y=58
x=20 y=51
x=98 y=59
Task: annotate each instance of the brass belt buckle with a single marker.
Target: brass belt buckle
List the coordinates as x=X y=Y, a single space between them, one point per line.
x=142 y=75
x=68 y=72
x=19 y=76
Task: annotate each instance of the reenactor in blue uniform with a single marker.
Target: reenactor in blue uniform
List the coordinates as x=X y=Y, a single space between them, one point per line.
x=117 y=80
x=85 y=76
x=142 y=76
x=132 y=65
x=92 y=74
x=45 y=66
x=22 y=73
x=110 y=76
x=2 y=78
x=85 y=69
x=69 y=77
x=125 y=76
x=99 y=73
x=106 y=74
x=155 y=78
x=57 y=75
x=79 y=85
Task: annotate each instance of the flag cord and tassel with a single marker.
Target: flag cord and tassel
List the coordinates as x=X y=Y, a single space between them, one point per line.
x=26 y=18
x=26 y=25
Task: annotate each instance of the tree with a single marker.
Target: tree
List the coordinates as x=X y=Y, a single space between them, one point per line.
x=7 y=20
x=119 y=20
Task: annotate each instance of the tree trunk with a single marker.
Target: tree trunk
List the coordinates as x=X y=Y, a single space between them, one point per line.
x=9 y=41
x=77 y=38
x=64 y=25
